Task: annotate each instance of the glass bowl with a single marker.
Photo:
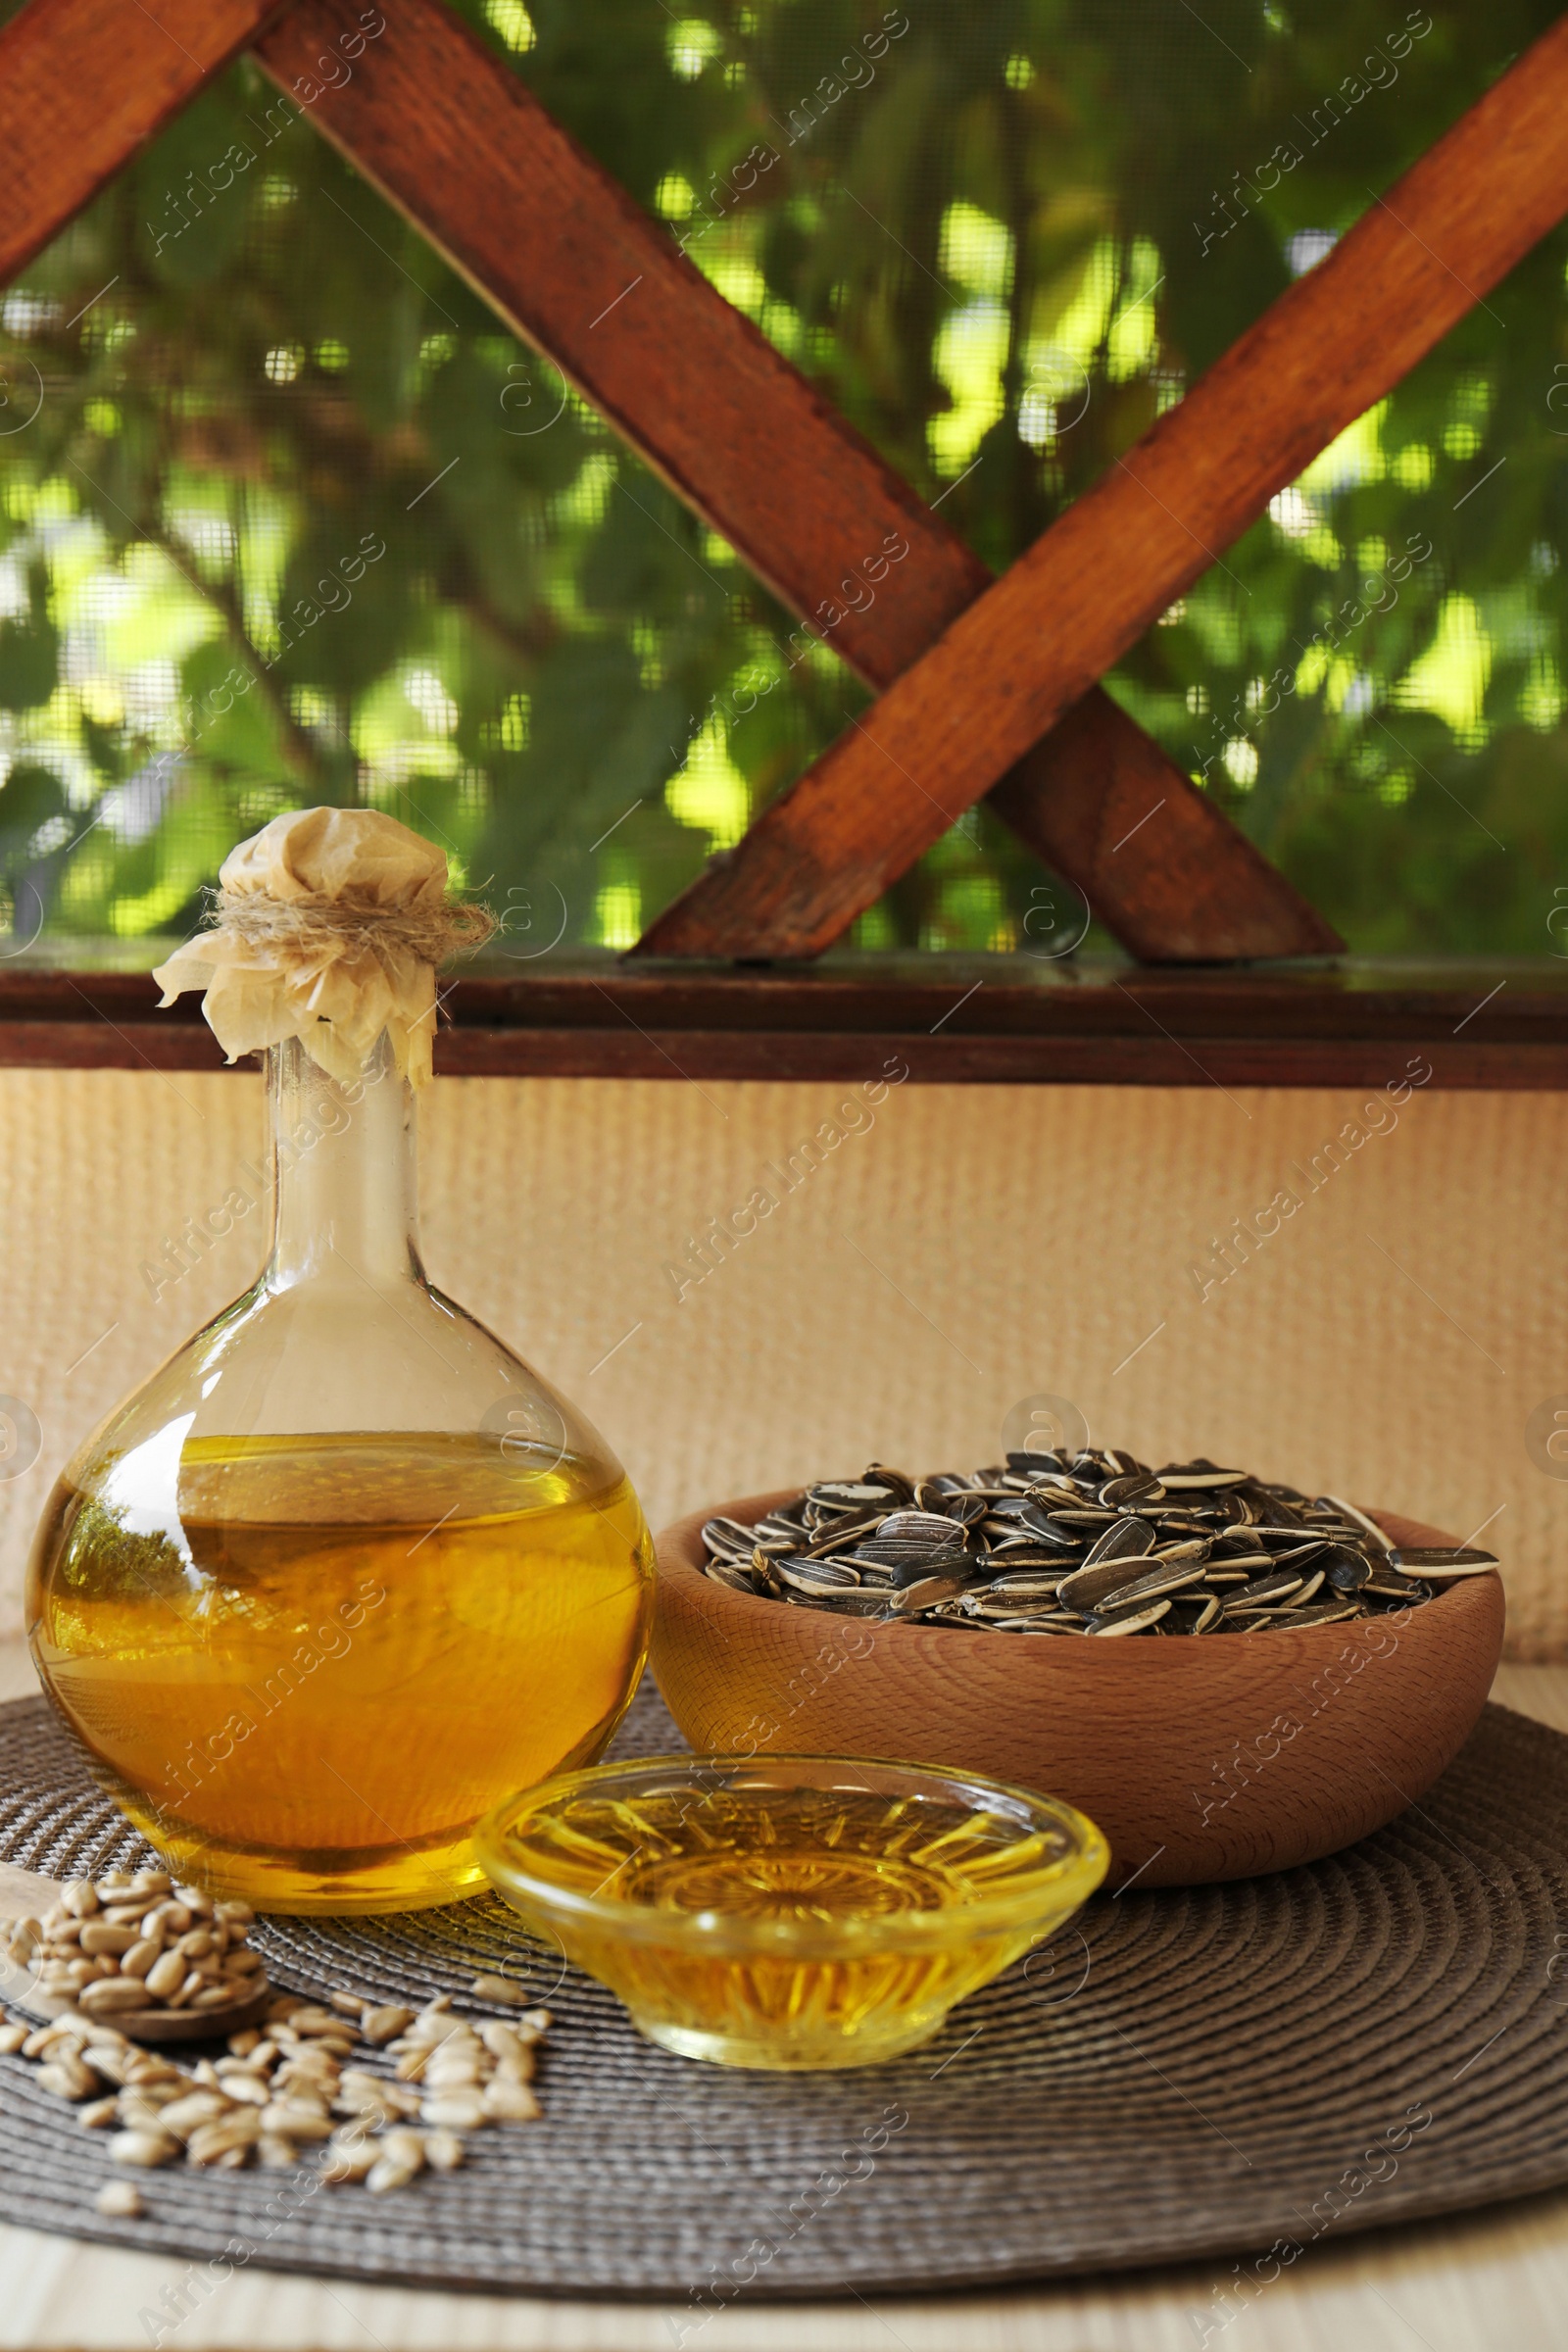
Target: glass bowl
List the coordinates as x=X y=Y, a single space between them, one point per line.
x=790 y=1911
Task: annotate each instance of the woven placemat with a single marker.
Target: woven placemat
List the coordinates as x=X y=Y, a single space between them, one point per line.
x=1208 y=2071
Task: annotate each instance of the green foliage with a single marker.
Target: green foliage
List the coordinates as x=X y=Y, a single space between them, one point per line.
x=30 y=649
x=296 y=518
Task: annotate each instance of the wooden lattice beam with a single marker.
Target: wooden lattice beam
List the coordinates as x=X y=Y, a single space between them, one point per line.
x=454 y=138
x=1009 y=668
x=84 y=84
x=76 y=104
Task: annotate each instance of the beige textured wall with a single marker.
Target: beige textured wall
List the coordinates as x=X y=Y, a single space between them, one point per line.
x=976 y=1245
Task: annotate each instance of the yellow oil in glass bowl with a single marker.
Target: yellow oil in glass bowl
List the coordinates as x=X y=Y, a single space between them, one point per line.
x=793 y=1911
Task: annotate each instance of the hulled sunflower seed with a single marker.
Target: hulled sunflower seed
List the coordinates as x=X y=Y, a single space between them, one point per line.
x=120 y=2200
x=142 y=2148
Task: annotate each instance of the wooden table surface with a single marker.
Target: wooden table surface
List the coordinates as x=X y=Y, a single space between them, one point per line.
x=1456 y=2285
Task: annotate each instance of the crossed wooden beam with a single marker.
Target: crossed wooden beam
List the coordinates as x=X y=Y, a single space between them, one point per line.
x=986 y=687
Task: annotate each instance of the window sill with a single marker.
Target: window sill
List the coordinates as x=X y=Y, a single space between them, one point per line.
x=998 y=1021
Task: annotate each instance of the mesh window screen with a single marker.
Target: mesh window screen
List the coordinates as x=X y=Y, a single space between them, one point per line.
x=285 y=515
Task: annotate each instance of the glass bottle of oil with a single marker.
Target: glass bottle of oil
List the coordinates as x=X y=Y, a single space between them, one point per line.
x=344 y=1571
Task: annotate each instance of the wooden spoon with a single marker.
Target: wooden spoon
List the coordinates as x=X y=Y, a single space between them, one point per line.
x=26 y=1894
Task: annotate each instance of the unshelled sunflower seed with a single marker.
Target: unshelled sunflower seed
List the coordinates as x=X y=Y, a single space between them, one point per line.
x=1051 y=1544
x=1436 y=1566
x=1136 y=1620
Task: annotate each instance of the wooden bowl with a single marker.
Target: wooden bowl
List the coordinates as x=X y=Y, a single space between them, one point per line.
x=1200 y=1760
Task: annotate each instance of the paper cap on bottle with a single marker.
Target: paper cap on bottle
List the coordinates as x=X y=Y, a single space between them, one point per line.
x=330 y=926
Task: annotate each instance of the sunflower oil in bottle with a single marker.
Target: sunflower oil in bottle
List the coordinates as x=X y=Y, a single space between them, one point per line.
x=344 y=1572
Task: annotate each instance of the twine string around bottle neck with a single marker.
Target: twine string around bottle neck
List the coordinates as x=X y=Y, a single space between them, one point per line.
x=299 y=927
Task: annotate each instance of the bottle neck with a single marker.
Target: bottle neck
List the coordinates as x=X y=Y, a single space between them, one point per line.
x=345 y=1196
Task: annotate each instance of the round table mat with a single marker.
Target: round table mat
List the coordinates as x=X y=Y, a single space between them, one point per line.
x=1238 y=2069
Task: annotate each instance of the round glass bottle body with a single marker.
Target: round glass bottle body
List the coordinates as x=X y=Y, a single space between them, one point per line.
x=344 y=1571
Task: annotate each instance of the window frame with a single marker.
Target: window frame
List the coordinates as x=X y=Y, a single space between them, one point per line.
x=1499 y=1023
x=83 y=86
